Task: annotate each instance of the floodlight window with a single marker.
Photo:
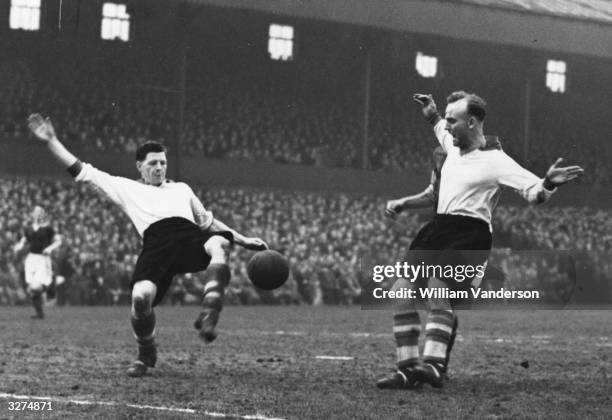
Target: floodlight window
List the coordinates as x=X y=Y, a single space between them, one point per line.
x=115 y=22
x=280 y=42
x=426 y=65
x=25 y=14
x=556 y=75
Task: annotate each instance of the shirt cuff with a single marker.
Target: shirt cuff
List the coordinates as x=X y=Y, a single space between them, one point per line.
x=542 y=193
x=75 y=169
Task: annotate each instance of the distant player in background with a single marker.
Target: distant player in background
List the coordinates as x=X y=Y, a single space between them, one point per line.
x=41 y=240
x=471 y=178
x=179 y=236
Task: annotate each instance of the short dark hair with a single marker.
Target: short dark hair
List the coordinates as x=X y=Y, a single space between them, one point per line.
x=476 y=106
x=149 y=147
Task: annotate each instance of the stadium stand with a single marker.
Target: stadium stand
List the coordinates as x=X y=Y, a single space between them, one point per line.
x=255 y=121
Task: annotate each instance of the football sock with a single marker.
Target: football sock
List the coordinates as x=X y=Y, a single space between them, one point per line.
x=451 y=342
x=438 y=331
x=217 y=279
x=144 y=329
x=37 y=302
x=406 y=329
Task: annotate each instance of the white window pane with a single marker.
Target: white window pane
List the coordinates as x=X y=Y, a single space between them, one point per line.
x=550 y=66
x=21 y=18
x=125 y=30
x=105 y=31
x=562 y=66
x=561 y=83
x=33 y=3
x=275 y=48
x=122 y=11
x=18 y=3
x=286 y=51
x=425 y=65
x=109 y=10
x=275 y=31
x=13 y=18
x=287 y=32
x=35 y=19
x=115 y=28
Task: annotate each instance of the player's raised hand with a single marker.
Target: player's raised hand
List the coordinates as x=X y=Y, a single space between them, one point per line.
x=430 y=110
x=558 y=175
x=41 y=127
x=254 y=244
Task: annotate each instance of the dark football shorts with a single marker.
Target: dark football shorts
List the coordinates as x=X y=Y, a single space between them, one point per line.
x=451 y=243
x=172 y=246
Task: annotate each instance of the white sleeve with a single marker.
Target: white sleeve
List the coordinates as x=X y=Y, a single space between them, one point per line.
x=112 y=186
x=528 y=185
x=203 y=217
x=444 y=137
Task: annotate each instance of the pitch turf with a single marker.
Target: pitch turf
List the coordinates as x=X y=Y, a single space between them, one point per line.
x=537 y=364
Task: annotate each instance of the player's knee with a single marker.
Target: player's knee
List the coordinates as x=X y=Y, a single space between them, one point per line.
x=218 y=248
x=142 y=297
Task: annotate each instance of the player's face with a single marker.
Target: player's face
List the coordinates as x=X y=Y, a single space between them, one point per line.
x=457 y=123
x=38 y=214
x=153 y=168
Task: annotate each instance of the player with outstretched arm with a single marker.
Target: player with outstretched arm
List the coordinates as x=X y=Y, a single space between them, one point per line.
x=470 y=182
x=179 y=236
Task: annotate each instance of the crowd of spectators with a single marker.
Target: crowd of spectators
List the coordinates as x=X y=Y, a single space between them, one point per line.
x=241 y=117
x=325 y=237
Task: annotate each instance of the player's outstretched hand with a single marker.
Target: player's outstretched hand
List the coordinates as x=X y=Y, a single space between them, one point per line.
x=430 y=110
x=557 y=175
x=393 y=208
x=255 y=244
x=41 y=127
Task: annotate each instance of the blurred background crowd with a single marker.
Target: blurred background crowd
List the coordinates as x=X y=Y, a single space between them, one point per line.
x=240 y=117
x=325 y=236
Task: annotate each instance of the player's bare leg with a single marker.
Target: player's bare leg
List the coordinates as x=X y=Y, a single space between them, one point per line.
x=143 y=323
x=406 y=330
x=217 y=278
x=439 y=336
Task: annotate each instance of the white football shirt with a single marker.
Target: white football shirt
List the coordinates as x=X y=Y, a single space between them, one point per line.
x=470 y=183
x=146 y=204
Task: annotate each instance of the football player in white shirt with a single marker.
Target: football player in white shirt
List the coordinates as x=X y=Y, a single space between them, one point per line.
x=179 y=236
x=471 y=179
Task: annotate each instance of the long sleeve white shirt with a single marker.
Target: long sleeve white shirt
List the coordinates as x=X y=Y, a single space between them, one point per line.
x=146 y=204
x=471 y=183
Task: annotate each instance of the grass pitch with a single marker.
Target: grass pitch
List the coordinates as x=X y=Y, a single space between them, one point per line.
x=506 y=364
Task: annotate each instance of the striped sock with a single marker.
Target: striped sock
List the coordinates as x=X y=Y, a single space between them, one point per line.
x=144 y=329
x=438 y=330
x=406 y=329
x=217 y=279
